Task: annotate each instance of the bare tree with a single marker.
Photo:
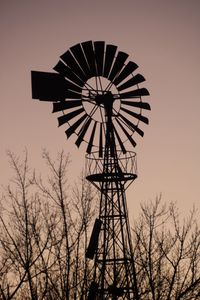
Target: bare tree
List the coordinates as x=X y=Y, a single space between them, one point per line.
x=20 y=225
x=69 y=274
x=167 y=253
x=44 y=231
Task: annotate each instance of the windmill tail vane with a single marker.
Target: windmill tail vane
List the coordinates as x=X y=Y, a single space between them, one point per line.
x=97 y=95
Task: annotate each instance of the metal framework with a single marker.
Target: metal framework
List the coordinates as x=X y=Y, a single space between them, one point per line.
x=110 y=243
x=101 y=102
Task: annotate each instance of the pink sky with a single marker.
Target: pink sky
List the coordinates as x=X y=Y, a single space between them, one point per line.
x=162 y=37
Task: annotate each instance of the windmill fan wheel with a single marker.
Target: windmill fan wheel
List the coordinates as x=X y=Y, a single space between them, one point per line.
x=93 y=70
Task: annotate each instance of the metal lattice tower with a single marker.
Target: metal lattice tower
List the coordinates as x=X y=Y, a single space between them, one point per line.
x=94 y=90
x=111 y=239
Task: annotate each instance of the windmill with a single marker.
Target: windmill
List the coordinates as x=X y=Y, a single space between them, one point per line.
x=96 y=91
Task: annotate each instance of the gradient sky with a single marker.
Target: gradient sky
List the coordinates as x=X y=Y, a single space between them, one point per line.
x=162 y=37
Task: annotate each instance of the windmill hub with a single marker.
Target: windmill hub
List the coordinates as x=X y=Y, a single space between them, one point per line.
x=106 y=100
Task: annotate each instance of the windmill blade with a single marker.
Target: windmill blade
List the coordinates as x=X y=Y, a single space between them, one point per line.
x=72 y=128
x=127 y=134
x=83 y=131
x=72 y=95
x=65 y=118
x=99 y=56
x=59 y=106
x=68 y=58
x=137 y=116
x=67 y=72
x=134 y=94
x=90 y=56
x=120 y=141
x=128 y=69
x=118 y=64
x=72 y=86
x=143 y=105
x=48 y=86
x=90 y=144
x=131 y=82
x=131 y=125
x=101 y=141
x=79 y=55
x=109 y=58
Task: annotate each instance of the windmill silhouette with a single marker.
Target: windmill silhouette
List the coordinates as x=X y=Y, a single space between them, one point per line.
x=98 y=94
